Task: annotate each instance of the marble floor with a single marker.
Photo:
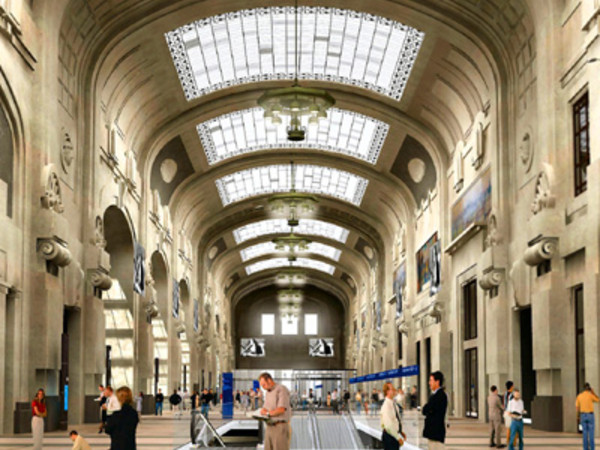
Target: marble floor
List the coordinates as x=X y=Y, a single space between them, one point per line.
x=166 y=432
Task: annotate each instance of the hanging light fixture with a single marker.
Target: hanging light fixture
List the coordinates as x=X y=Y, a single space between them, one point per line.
x=304 y=106
x=290 y=303
x=292 y=204
x=291 y=276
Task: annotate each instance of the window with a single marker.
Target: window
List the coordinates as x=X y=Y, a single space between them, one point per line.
x=247 y=131
x=289 y=325
x=581 y=136
x=309 y=178
x=544 y=267
x=275 y=263
x=399 y=345
x=266 y=248
x=579 y=339
x=338 y=45
x=311 y=324
x=470 y=308
x=280 y=226
x=268 y=324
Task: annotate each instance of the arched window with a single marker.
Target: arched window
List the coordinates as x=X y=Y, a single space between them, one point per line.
x=6 y=166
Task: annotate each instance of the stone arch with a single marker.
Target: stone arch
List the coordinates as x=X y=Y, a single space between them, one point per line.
x=160 y=323
x=186 y=317
x=119 y=299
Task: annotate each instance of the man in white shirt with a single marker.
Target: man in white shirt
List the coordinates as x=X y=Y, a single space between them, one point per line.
x=334 y=401
x=393 y=436
x=516 y=409
x=112 y=403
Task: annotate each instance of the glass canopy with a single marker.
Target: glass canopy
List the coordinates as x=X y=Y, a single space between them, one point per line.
x=266 y=248
x=276 y=178
x=307 y=227
x=246 y=131
x=337 y=45
x=305 y=263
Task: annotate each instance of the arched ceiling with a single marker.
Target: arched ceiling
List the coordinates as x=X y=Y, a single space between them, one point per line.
x=159 y=73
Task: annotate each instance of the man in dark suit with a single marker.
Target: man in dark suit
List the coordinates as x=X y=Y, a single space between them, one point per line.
x=435 y=413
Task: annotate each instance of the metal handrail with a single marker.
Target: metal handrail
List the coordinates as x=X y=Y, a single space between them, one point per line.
x=195 y=415
x=349 y=420
x=312 y=420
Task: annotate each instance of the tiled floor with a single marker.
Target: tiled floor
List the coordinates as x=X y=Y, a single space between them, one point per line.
x=169 y=433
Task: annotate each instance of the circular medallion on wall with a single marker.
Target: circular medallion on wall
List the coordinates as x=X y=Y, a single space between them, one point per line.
x=168 y=170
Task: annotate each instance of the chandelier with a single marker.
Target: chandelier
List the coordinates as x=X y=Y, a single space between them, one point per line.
x=290 y=301
x=304 y=106
x=292 y=204
x=291 y=276
x=293 y=244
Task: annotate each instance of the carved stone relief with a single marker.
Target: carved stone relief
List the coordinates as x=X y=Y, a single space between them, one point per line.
x=52 y=197
x=67 y=152
x=526 y=150
x=544 y=197
x=55 y=250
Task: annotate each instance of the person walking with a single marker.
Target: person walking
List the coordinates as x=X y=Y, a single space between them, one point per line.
x=328 y=399
x=79 y=443
x=277 y=406
x=205 y=403
x=139 y=403
x=121 y=425
x=358 y=400
x=335 y=402
x=400 y=400
x=393 y=437
x=175 y=401
x=435 y=413
x=311 y=400
x=495 y=412
x=159 y=400
x=516 y=409
x=101 y=401
x=374 y=402
x=585 y=415
x=112 y=402
x=39 y=412
x=346 y=400
x=413 y=397
x=508 y=396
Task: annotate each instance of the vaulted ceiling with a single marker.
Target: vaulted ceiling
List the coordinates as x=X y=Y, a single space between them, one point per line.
x=180 y=80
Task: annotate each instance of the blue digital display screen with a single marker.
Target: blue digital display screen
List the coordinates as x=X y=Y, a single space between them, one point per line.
x=66 y=404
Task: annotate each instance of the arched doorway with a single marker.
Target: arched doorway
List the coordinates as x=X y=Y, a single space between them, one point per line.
x=159 y=324
x=184 y=316
x=118 y=300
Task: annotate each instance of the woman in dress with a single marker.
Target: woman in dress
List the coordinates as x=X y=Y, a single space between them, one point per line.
x=38 y=410
x=121 y=425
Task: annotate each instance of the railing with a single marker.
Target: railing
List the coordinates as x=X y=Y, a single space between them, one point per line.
x=313 y=429
x=200 y=427
x=353 y=431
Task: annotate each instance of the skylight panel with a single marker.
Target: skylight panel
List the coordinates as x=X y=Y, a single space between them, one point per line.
x=337 y=45
x=275 y=263
x=343 y=132
x=307 y=227
x=276 y=178
x=266 y=248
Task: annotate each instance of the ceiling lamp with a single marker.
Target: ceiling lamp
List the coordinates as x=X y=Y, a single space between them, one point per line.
x=291 y=276
x=293 y=244
x=293 y=205
x=290 y=296
x=304 y=106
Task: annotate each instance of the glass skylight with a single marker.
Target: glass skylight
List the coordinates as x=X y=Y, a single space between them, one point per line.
x=247 y=131
x=305 y=263
x=265 y=248
x=307 y=227
x=336 y=45
x=276 y=178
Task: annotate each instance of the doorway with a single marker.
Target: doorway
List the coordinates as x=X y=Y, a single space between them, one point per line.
x=529 y=387
x=471 y=394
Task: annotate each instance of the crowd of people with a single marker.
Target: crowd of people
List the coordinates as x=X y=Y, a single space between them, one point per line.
x=121 y=412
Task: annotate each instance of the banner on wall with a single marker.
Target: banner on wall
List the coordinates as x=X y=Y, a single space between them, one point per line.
x=139 y=269
x=387 y=374
x=252 y=348
x=196 y=314
x=227 y=391
x=321 y=348
x=175 y=298
x=399 y=285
